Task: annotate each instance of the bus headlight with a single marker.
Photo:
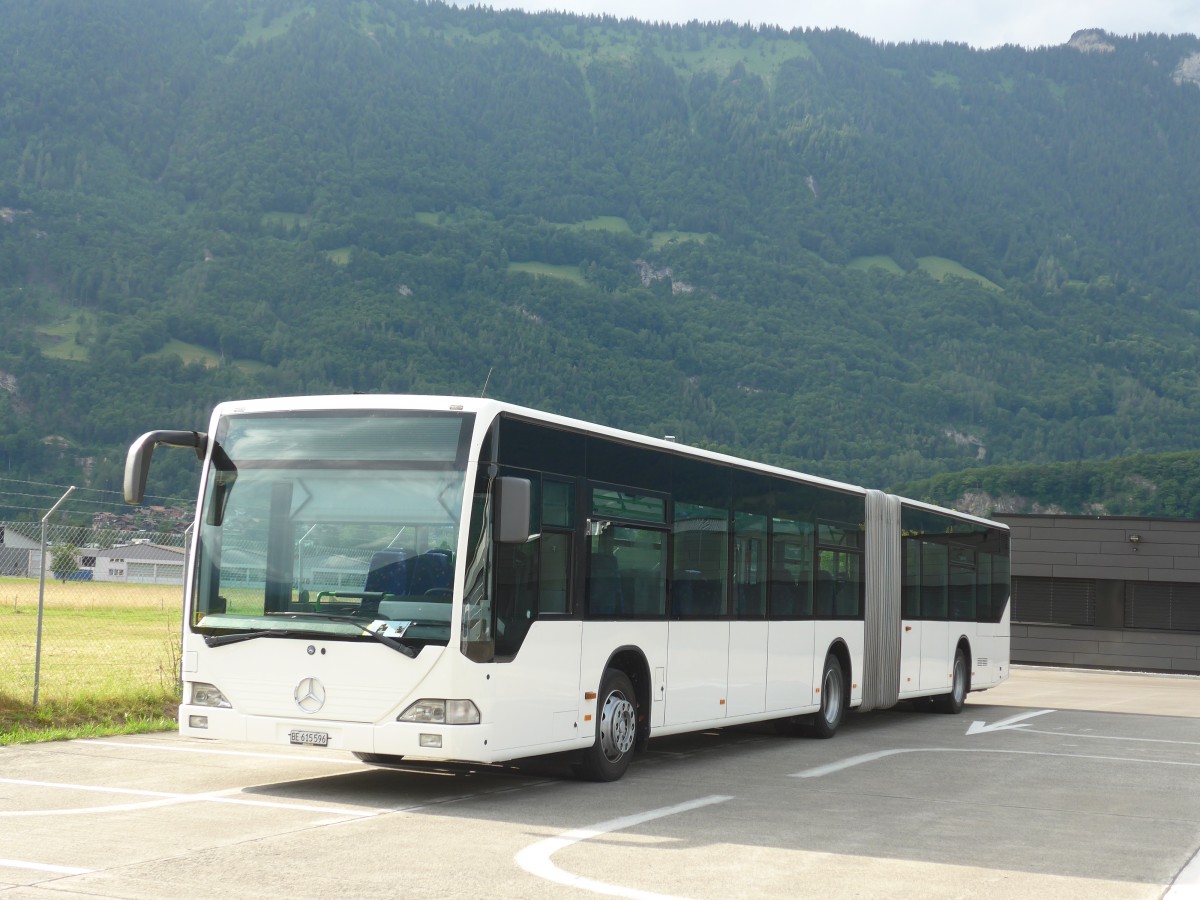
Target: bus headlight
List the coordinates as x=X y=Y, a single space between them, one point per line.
x=208 y=695
x=441 y=712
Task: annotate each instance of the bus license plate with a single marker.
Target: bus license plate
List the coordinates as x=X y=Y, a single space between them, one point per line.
x=315 y=738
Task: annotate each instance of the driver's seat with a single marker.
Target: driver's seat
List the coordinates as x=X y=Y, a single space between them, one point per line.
x=389 y=572
x=433 y=570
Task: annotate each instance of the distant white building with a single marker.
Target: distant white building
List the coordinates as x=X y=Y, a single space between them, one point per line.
x=20 y=556
x=142 y=563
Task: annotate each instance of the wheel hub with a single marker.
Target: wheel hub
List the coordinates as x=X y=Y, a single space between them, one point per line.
x=618 y=726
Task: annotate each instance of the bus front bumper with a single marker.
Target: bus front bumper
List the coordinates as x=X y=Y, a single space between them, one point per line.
x=468 y=743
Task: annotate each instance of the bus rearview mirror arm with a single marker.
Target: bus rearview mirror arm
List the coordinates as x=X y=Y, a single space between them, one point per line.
x=137 y=463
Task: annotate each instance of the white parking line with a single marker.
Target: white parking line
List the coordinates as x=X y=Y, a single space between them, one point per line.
x=213 y=751
x=43 y=867
x=853 y=761
x=535 y=859
x=1187 y=883
x=166 y=798
x=1111 y=737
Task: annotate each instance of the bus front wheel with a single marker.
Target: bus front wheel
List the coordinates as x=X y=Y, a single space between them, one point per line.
x=616 y=730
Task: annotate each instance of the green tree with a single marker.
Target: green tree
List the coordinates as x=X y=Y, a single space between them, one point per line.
x=64 y=560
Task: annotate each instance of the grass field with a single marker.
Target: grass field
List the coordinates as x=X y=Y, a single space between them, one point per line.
x=256 y=31
x=189 y=354
x=865 y=263
x=546 y=270
x=660 y=239
x=99 y=640
x=934 y=266
x=615 y=224
x=286 y=220
x=194 y=354
x=940 y=268
x=60 y=341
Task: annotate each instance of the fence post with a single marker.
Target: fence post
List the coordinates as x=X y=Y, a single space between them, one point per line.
x=37 y=653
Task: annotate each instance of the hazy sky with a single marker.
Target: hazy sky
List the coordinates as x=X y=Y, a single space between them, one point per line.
x=980 y=23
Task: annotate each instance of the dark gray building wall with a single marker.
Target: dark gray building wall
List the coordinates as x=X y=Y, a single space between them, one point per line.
x=1090 y=647
x=1110 y=553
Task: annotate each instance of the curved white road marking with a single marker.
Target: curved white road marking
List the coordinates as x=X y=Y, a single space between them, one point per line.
x=535 y=859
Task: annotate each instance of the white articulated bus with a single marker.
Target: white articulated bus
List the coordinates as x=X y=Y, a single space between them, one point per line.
x=456 y=579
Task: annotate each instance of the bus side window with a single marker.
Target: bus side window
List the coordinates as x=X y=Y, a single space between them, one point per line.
x=516 y=582
x=750 y=566
x=554 y=568
x=912 y=578
x=935 y=573
x=516 y=594
x=791 y=570
x=554 y=574
x=604 y=590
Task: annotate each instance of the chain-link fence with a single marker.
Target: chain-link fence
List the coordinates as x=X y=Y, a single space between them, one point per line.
x=110 y=610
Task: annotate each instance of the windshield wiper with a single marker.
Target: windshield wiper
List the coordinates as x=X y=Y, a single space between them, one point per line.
x=219 y=640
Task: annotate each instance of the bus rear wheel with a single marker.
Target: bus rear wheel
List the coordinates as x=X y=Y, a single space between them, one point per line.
x=824 y=723
x=960 y=684
x=616 y=730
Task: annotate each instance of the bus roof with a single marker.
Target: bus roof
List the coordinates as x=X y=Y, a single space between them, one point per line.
x=488 y=409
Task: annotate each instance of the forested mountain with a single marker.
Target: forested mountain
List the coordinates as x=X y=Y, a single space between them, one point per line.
x=870 y=261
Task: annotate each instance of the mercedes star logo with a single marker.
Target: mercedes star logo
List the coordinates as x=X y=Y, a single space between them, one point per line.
x=310 y=695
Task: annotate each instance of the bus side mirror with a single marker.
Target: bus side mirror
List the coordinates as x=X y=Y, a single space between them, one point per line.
x=137 y=463
x=512 y=510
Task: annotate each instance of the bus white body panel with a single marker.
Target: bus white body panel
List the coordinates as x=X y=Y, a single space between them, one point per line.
x=937 y=654
x=531 y=709
x=697 y=672
x=790 y=678
x=748 y=663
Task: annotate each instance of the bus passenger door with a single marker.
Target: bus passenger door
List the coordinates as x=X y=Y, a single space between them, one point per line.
x=697 y=671
x=935 y=667
x=935 y=612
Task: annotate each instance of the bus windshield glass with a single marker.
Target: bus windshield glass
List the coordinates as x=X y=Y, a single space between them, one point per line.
x=331 y=524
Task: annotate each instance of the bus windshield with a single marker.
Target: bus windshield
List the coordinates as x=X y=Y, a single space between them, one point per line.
x=341 y=525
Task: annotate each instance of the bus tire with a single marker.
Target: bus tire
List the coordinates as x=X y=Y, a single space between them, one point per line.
x=824 y=723
x=616 y=730
x=960 y=684
x=379 y=759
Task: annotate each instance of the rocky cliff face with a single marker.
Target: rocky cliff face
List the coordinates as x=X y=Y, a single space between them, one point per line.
x=981 y=503
x=1091 y=40
x=1188 y=71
